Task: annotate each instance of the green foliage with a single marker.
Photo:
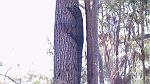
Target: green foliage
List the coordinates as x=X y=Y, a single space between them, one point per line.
x=147 y=48
x=36 y=82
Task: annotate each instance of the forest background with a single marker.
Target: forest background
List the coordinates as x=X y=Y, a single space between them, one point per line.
x=127 y=47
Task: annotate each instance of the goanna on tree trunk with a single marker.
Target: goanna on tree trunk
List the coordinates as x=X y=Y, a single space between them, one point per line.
x=68 y=42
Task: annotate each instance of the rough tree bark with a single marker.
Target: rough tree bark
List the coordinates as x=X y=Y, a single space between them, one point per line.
x=67 y=65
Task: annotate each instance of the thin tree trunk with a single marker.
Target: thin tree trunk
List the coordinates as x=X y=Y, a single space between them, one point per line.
x=142 y=36
x=118 y=81
x=92 y=42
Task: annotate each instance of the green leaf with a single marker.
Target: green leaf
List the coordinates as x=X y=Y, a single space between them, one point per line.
x=36 y=82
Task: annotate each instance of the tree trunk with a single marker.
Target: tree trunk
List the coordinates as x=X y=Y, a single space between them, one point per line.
x=67 y=52
x=92 y=41
x=118 y=80
x=142 y=18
